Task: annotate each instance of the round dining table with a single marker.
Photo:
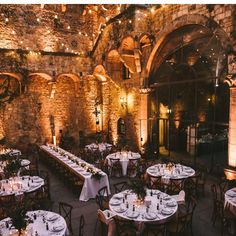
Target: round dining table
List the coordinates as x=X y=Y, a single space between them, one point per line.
x=167 y=172
x=101 y=147
x=42 y=223
x=124 y=158
x=157 y=206
x=20 y=184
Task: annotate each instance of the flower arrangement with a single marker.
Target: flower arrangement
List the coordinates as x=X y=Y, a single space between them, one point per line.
x=170 y=166
x=95 y=174
x=19 y=219
x=138 y=187
x=12 y=167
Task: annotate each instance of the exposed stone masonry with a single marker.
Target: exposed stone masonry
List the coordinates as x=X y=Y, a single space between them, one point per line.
x=64 y=86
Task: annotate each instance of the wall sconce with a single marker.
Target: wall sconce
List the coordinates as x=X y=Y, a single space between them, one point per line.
x=123 y=102
x=169 y=111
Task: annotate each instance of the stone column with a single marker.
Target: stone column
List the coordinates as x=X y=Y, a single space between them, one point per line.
x=232 y=128
x=232 y=122
x=143 y=117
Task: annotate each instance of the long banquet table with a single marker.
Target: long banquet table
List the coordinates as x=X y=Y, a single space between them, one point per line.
x=91 y=185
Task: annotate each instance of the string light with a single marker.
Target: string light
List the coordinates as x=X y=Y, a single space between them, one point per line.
x=38 y=19
x=68 y=27
x=138 y=11
x=118 y=8
x=152 y=10
x=119 y=21
x=56 y=16
x=80 y=33
x=13 y=32
x=49 y=31
x=107 y=18
x=21 y=42
x=130 y=21
x=138 y=19
x=6 y=19
x=90 y=11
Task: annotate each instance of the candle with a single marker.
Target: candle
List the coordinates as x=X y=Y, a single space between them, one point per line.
x=54 y=140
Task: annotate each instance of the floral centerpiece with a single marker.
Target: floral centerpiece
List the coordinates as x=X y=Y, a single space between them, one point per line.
x=19 y=219
x=95 y=174
x=170 y=166
x=12 y=167
x=138 y=187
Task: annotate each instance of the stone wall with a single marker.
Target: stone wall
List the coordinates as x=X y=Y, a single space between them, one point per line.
x=51 y=52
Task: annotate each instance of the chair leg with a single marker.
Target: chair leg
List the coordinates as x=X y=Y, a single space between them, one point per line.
x=94 y=232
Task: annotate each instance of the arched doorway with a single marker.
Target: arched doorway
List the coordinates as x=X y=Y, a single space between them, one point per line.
x=189 y=103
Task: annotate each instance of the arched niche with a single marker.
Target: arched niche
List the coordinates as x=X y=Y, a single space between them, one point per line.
x=10 y=86
x=127 y=45
x=100 y=73
x=73 y=77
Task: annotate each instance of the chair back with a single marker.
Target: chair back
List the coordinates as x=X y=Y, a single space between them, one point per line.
x=65 y=210
x=155 y=182
x=125 y=227
x=121 y=186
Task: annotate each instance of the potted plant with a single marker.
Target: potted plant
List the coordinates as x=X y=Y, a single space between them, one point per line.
x=12 y=167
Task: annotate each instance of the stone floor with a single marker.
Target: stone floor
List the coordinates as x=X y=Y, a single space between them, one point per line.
x=201 y=222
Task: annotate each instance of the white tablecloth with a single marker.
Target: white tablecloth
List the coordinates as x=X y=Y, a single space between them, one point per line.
x=102 y=147
x=176 y=172
x=19 y=185
x=124 y=158
x=161 y=206
x=230 y=197
x=56 y=225
x=91 y=185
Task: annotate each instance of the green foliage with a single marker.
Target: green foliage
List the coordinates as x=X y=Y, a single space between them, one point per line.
x=12 y=167
x=19 y=218
x=138 y=187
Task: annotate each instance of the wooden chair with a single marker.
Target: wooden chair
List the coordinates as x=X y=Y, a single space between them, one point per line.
x=201 y=182
x=175 y=186
x=224 y=214
x=32 y=198
x=121 y=186
x=154 y=229
x=125 y=227
x=65 y=210
x=132 y=168
x=177 y=227
x=155 y=182
x=116 y=168
x=102 y=198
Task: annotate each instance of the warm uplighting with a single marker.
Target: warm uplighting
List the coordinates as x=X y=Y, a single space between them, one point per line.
x=123 y=101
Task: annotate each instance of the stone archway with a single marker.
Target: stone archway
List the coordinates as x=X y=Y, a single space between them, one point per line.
x=194 y=19
x=183 y=32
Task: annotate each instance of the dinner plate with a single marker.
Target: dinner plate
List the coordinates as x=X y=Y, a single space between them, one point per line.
x=86 y=173
x=57 y=228
x=115 y=202
x=118 y=196
x=52 y=217
x=120 y=209
x=171 y=204
x=150 y=215
x=132 y=214
x=166 y=212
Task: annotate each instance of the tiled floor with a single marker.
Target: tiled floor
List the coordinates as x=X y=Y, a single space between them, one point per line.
x=202 y=225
